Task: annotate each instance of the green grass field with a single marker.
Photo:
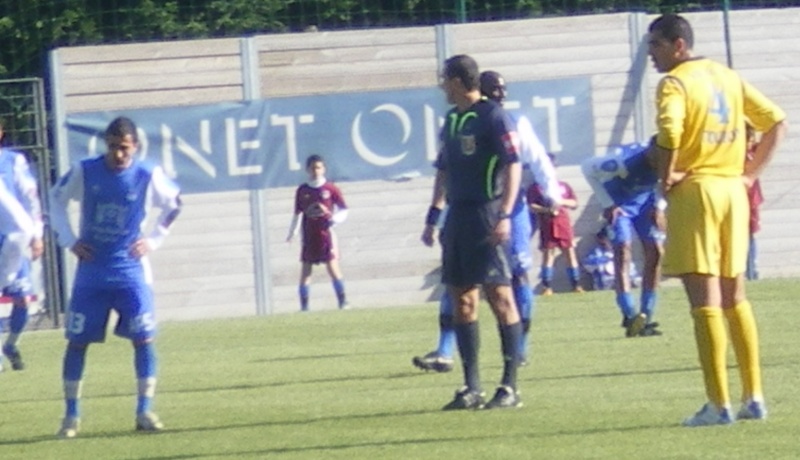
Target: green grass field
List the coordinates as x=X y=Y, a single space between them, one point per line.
x=340 y=385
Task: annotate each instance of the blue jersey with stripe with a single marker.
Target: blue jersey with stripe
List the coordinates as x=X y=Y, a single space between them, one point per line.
x=626 y=177
x=475 y=145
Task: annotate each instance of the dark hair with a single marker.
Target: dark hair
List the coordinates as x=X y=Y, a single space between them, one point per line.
x=121 y=127
x=314 y=159
x=673 y=27
x=464 y=68
x=493 y=85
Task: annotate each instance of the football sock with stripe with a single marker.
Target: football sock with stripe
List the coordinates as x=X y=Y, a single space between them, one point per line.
x=145 y=363
x=72 y=373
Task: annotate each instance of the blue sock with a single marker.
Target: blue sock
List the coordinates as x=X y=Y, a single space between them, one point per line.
x=303 y=291
x=648 y=302
x=468 y=338
x=338 y=287
x=145 y=363
x=625 y=304
x=447 y=333
x=574 y=275
x=74 y=362
x=447 y=337
x=73 y=408
x=18 y=320
x=523 y=296
x=546 y=276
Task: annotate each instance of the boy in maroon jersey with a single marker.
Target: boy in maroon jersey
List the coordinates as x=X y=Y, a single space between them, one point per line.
x=322 y=206
x=555 y=231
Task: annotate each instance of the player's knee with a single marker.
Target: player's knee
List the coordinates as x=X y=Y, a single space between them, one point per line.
x=526 y=326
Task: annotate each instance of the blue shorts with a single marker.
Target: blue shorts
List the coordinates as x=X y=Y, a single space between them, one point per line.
x=468 y=258
x=639 y=221
x=519 y=248
x=23 y=284
x=90 y=306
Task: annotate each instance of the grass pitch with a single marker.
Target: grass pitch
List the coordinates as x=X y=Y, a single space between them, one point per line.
x=340 y=385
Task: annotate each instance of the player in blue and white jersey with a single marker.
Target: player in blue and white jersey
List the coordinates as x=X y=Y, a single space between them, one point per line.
x=16 y=232
x=536 y=167
x=116 y=192
x=18 y=179
x=624 y=183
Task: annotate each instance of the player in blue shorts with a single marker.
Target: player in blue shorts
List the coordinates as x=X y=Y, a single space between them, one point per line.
x=536 y=167
x=116 y=191
x=16 y=232
x=624 y=183
x=17 y=177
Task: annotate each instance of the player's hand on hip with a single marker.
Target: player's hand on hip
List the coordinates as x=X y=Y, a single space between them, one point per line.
x=611 y=213
x=429 y=235
x=82 y=250
x=748 y=180
x=501 y=232
x=139 y=248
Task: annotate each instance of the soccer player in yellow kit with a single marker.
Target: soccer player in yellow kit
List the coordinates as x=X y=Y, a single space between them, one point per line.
x=702 y=107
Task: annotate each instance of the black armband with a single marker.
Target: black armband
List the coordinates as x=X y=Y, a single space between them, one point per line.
x=433 y=216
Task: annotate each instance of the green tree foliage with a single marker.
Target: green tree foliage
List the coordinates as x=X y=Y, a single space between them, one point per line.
x=29 y=28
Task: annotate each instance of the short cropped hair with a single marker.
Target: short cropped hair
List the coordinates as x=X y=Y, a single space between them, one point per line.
x=673 y=27
x=314 y=159
x=121 y=127
x=465 y=69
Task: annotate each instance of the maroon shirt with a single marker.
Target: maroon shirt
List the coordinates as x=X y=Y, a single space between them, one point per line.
x=318 y=242
x=555 y=231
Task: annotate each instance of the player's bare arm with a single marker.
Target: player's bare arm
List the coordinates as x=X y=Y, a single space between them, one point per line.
x=765 y=150
x=139 y=248
x=437 y=205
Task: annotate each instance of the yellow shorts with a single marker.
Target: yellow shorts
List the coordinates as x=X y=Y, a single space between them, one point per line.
x=707 y=227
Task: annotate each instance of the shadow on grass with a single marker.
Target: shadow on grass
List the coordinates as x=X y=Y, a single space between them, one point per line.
x=323 y=448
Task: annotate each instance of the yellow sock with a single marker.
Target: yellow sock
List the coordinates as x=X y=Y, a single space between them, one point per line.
x=712 y=344
x=744 y=336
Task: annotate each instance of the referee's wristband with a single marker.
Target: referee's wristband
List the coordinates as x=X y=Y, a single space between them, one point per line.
x=432 y=218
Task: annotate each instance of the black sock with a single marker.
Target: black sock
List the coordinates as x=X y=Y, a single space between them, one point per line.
x=509 y=340
x=468 y=338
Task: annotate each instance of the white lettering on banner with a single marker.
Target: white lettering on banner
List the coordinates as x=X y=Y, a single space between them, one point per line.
x=168 y=158
x=432 y=132
x=291 y=137
x=549 y=104
x=205 y=136
x=232 y=149
x=365 y=152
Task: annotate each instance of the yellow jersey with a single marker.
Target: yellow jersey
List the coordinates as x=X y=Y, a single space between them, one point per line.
x=702 y=108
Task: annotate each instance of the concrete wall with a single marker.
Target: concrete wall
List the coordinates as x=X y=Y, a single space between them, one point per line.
x=208 y=266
